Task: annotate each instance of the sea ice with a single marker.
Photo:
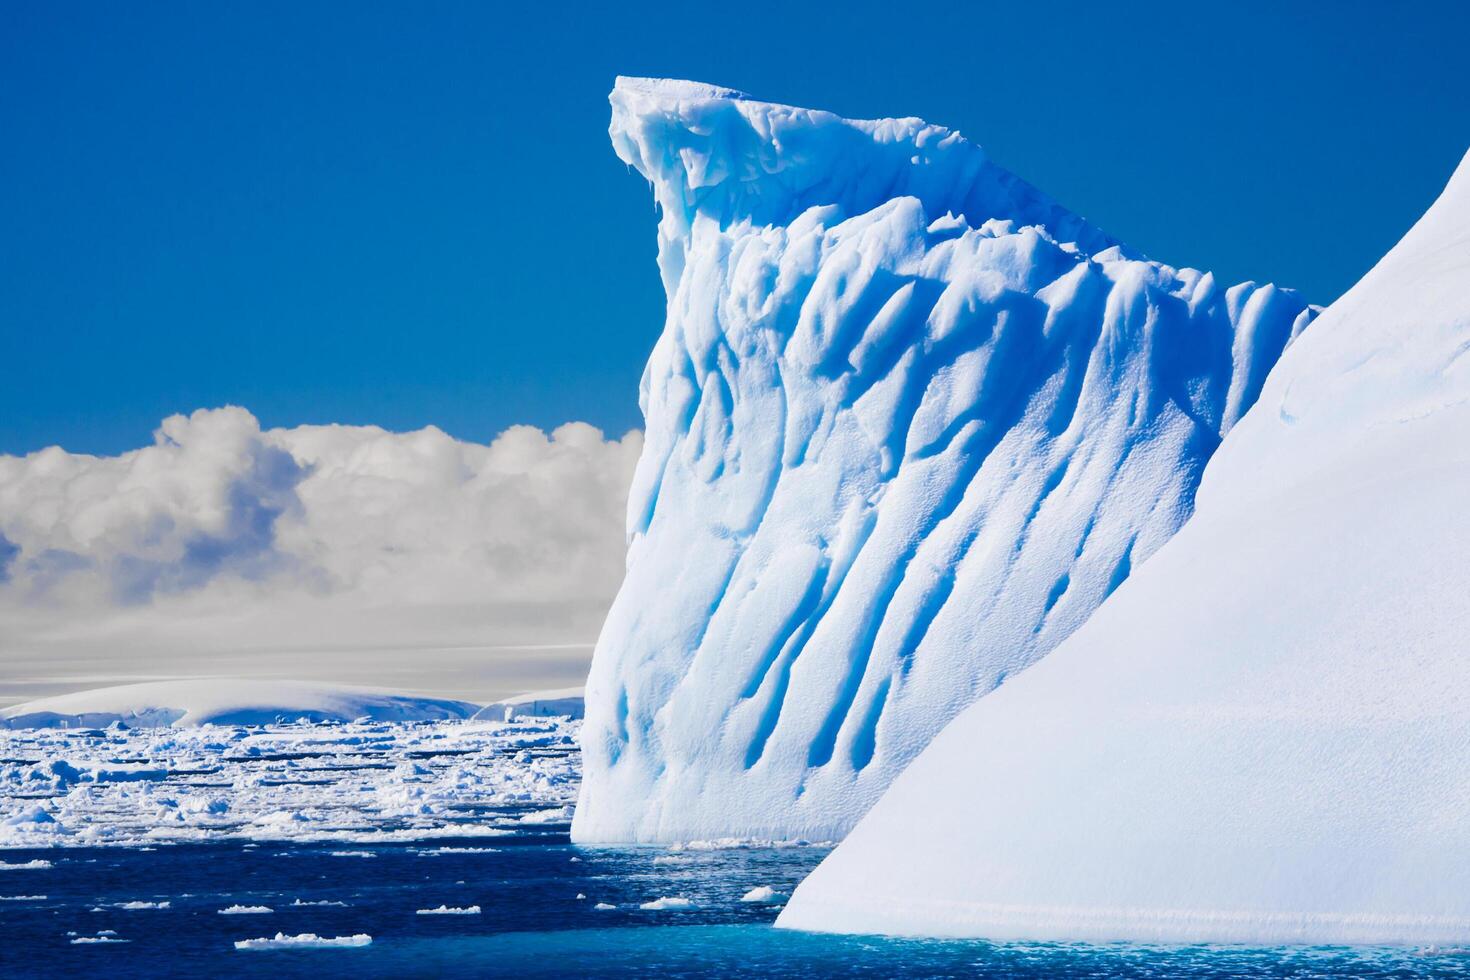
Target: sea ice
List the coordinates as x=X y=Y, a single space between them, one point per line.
x=357 y=783
x=449 y=910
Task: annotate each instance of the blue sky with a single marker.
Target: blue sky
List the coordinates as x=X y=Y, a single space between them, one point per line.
x=409 y=214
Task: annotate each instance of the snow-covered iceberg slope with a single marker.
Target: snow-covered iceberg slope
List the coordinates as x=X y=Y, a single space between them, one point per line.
x=908 y=423
x=1264 y=735
x=226 y=701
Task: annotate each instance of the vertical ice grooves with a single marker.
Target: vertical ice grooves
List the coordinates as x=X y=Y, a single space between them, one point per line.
x=882 y=349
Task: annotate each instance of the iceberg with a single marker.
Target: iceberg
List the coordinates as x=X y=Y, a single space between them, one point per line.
x=909 y=422
x=1264 y=735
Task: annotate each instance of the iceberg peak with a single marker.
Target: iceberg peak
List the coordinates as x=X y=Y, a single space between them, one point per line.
x=720 y=154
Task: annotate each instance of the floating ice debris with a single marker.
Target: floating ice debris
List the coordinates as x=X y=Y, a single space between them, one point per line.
x=344 y=784
x=668 y=904
x=26 y=866
x=298 y=903
x=447 y=910
x=246 y=910
x=32 y=826
x=22 y=898
x=353 y=854
x=307 y=940
x=763 y=895
x=603 y=907
x=139 y=906
x=97 y=940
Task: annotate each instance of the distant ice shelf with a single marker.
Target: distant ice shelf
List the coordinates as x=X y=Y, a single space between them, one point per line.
x=908 y=423
x=226 y=701
x=237 y=701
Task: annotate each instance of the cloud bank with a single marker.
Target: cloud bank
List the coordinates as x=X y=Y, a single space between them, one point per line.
x=332 y=552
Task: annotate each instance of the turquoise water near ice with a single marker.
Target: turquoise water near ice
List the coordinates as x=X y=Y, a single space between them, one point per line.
x=532 y=922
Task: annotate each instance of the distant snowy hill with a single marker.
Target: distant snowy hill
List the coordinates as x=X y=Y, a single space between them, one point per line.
x=909 y=422
x=225 y=701
x=1264 y=735
x=562 y=703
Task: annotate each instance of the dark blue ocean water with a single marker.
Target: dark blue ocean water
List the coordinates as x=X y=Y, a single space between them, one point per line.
x=532 y=924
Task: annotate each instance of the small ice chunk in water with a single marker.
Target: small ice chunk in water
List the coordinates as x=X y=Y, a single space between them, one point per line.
x=672 y=903
x=138 y=906
x=307 y=940
x=447 y=910
x=246 y=910
x=25 y=866
x=764 y=895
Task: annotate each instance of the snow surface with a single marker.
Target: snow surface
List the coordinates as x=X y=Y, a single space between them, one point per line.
x=225 y=701
x=909 y=422
x=1264 y=735
x=358 y=783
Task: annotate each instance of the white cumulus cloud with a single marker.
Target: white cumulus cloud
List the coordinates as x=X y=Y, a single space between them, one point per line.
x=333 y=552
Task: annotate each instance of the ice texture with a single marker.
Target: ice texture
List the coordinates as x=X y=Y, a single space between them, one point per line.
x=908 y=423
x=1264 y=735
